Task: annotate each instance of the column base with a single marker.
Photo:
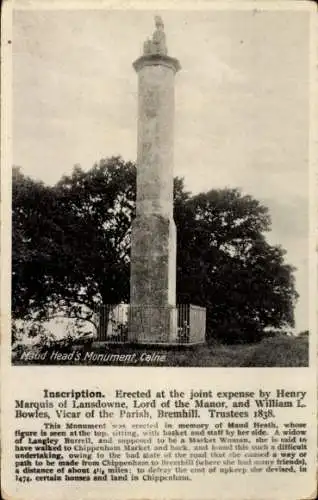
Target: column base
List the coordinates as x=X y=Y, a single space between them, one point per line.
x=152 y=324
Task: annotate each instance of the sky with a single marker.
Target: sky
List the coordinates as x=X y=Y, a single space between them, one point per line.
x=241 y=114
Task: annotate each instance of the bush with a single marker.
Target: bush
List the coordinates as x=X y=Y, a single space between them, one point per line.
x=304 y=333
x=28 y=337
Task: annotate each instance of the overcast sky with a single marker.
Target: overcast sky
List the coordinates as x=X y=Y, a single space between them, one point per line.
x=241 y=104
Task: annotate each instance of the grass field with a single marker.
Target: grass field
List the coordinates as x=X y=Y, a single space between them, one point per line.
x=279 y=352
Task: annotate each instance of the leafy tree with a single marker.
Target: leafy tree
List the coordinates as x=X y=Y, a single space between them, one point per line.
x=35 y=222
x=96 y=236
x=71 y=246
x=226 y=265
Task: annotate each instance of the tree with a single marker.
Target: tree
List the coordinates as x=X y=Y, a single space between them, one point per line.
x=226 y=265
x=35 y=224
x=76 y=240
x=71 y=251
x=97 y=235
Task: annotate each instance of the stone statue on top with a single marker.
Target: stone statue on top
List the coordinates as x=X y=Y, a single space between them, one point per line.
x=157 y=45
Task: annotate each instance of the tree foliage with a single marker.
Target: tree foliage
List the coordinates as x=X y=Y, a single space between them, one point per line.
x=35 y=224
x=226 y=265
x=71 y=251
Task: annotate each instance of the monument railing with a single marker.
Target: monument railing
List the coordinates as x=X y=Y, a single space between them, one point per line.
x=114 y=323
x=191 y=323
x=197 y=322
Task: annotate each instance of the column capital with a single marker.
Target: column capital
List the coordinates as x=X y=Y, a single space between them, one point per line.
x=156 y=60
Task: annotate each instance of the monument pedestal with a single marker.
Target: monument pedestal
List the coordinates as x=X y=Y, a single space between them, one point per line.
x=152 y=325
x=153 y=279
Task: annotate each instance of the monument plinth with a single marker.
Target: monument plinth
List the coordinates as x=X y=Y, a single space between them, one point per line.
x=153 y=239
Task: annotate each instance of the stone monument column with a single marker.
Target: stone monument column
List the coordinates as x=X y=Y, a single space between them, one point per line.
x=153 y=238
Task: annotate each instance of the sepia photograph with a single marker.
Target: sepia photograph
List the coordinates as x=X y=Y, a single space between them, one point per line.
x=160 y=187
x=158 y=210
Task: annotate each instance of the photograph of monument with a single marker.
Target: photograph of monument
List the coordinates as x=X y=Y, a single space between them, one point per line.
x=153 y=235
x=160 y=205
